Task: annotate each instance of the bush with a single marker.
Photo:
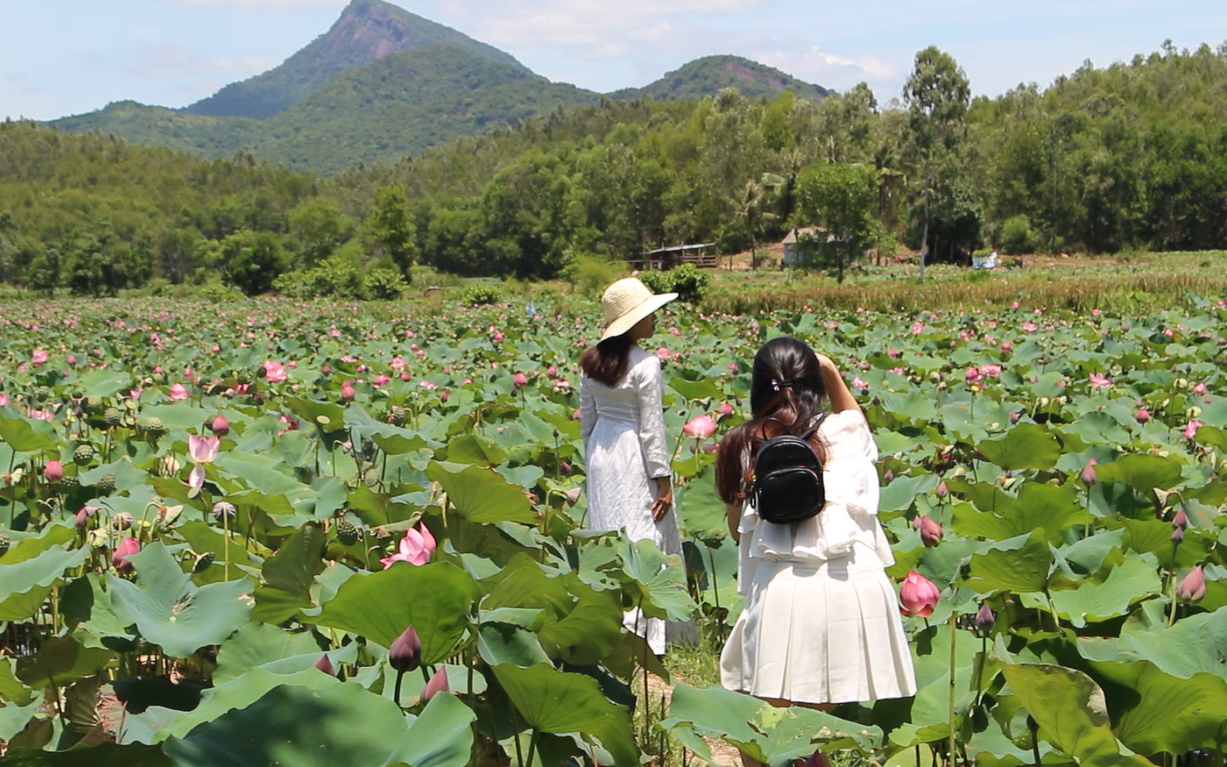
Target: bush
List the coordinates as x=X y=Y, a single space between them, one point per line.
x=687 y=281
x=216 y=293
x=481 y=295
x=589 y=274
x=383 y=285
x=1018 y=237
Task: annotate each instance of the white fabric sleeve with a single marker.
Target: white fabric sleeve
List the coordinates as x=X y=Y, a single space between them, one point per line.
x=649 y=386
x=587 y=412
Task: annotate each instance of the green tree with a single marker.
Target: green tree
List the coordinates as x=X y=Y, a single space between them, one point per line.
x=317 y=229
x=390 y=228
x=840 y=198
x=937 y=95
x=253 y=260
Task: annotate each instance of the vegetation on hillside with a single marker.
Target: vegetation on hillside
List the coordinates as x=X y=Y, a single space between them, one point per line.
x=709 y=75
x=366 y=29
x=1132 y=156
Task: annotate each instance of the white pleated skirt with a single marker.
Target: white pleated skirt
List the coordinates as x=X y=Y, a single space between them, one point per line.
x=825 y=634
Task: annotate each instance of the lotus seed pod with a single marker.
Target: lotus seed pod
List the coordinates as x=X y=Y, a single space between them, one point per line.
x=153 y=425
x=347 y=534
x=398 y=416
x=93 y=404
x=113 y=417
x=83 y=454
x=5 y=543
x=106 y=483
x=203 y=561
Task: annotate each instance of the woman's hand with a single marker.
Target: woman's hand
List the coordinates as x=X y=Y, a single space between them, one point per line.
x=664 y=499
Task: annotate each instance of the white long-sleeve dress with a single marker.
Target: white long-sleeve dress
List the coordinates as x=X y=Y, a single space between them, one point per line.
x=625 y=452
x=821 y=622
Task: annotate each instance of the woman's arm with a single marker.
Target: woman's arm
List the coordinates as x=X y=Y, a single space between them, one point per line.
x=837 y=390
x=650 y=389
x=587 y=412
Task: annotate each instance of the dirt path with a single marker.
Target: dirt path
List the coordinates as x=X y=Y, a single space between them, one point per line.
x=723 y=754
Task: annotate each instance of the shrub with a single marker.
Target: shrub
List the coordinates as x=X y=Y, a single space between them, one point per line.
x=589 y=274
x=687 y=281
x=1017 y=236
x=482 y=294
x=383 y=285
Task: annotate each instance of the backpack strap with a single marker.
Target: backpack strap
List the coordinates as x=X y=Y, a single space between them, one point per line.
x=814 y=426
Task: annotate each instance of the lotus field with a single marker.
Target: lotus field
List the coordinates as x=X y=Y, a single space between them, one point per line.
x=277 y=533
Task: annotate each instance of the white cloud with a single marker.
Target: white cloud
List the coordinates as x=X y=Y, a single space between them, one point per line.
x=171 y=61
x=244 y=66
x=830 y=69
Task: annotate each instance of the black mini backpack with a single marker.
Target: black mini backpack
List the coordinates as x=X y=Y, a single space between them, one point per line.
x=788 y=483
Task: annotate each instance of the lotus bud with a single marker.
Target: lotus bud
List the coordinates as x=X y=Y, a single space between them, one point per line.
x=1181 y=520
x=942 y=491
x=406 y=652
x=985 y=619
x=930 y=532
x=1143 y=415
x=436 y=685
x=1178 y=535
x=1193 y=586
x=889 y=475
x=325 y=665
x=918 y=595
x=1088 y=475
x=1042 y=402
x=519 y=380
x=129 y=546
x=725 y=410
x=347 y=392
x=53 y=472
x=220 y=426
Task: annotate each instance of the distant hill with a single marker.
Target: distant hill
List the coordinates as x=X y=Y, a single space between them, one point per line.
x=368 y=30
x=400 y=104
x=711 y=74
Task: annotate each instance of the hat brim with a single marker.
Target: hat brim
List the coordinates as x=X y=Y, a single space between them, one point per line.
x=632 y=318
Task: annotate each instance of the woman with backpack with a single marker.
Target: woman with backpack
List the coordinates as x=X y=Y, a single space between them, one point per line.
x=821 y=622
x=629 y=476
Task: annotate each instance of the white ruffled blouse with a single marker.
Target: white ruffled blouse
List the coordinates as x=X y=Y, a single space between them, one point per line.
x=847 y=532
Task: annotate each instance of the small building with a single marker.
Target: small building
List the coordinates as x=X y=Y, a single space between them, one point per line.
x=700 y=255
x=792 y=253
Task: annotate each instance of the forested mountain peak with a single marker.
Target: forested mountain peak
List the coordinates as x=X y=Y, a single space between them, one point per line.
x=708 y=75
x=368 y=30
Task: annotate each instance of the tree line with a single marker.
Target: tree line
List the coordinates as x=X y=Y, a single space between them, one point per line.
x=1133 y=155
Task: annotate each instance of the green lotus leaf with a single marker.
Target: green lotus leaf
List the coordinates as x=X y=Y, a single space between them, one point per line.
x=327 y=416
x=482 y=495
x=441 y=736
x=655 y=581
x=104 y=383
x=256 y=644
x=1018 y=564
x=288 y=576
x=899 y=494
x=1070 y=710
x=88 y=604
x=60 y=661
x=1133 y=580
x=27 y=436
x=556 y=702
x=1143 y=473
x=13 y=719
x=169 y=610
x=435 y=599
x=1026 y=446
x=102 y=755
x=30 y=570
x=503 y=643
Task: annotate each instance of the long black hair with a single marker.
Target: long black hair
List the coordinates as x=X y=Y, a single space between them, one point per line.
x=608 y=361
x=786 y=391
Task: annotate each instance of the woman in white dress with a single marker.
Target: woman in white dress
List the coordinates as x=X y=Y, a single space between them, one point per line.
x=821 y=622
x=629 y=478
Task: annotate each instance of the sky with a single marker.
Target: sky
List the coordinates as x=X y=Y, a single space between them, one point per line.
x=74 y=56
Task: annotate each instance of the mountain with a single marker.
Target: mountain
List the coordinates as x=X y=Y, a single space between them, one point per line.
x=368 y=30
x=711 y=74
x=399 y=104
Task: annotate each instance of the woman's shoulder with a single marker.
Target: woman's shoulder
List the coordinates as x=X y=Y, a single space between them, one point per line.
x=847 y=428
x=643 y=360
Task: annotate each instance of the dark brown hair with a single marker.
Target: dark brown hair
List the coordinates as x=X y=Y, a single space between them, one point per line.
x=786 y=393
x=608 y=360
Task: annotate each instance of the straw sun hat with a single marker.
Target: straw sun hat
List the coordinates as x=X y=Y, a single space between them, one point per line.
x=628 y=301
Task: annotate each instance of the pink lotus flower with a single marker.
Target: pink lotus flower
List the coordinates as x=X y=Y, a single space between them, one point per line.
x=519 y=380
x=414 y=548
x=274 y=372
x=662 y=354
x=1089 y=476
x=4 y=400
x=203 y=449
x=724 y=411
x=53 y=472
x=552 y=371
x=325 y=664
x=405 y=654
x=437 y=684
x=700 y=427
x=82 y=517
x=1099 y=380
x=347 y=392
x=1193 y=586
x=990 y=370
x=1199 y=388
x=931 y=533
x=126 y=548
x=859 y=383
x=973 y=376
x=1190 y=429
x=220 y=426
x=381 y=379
x=398 y=363
x=178 y=392
x=918 y=595
x=1143 y=415
x=196 y=477
x=39 y=357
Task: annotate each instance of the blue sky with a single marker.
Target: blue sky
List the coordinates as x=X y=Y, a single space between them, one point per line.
x=75 y=56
